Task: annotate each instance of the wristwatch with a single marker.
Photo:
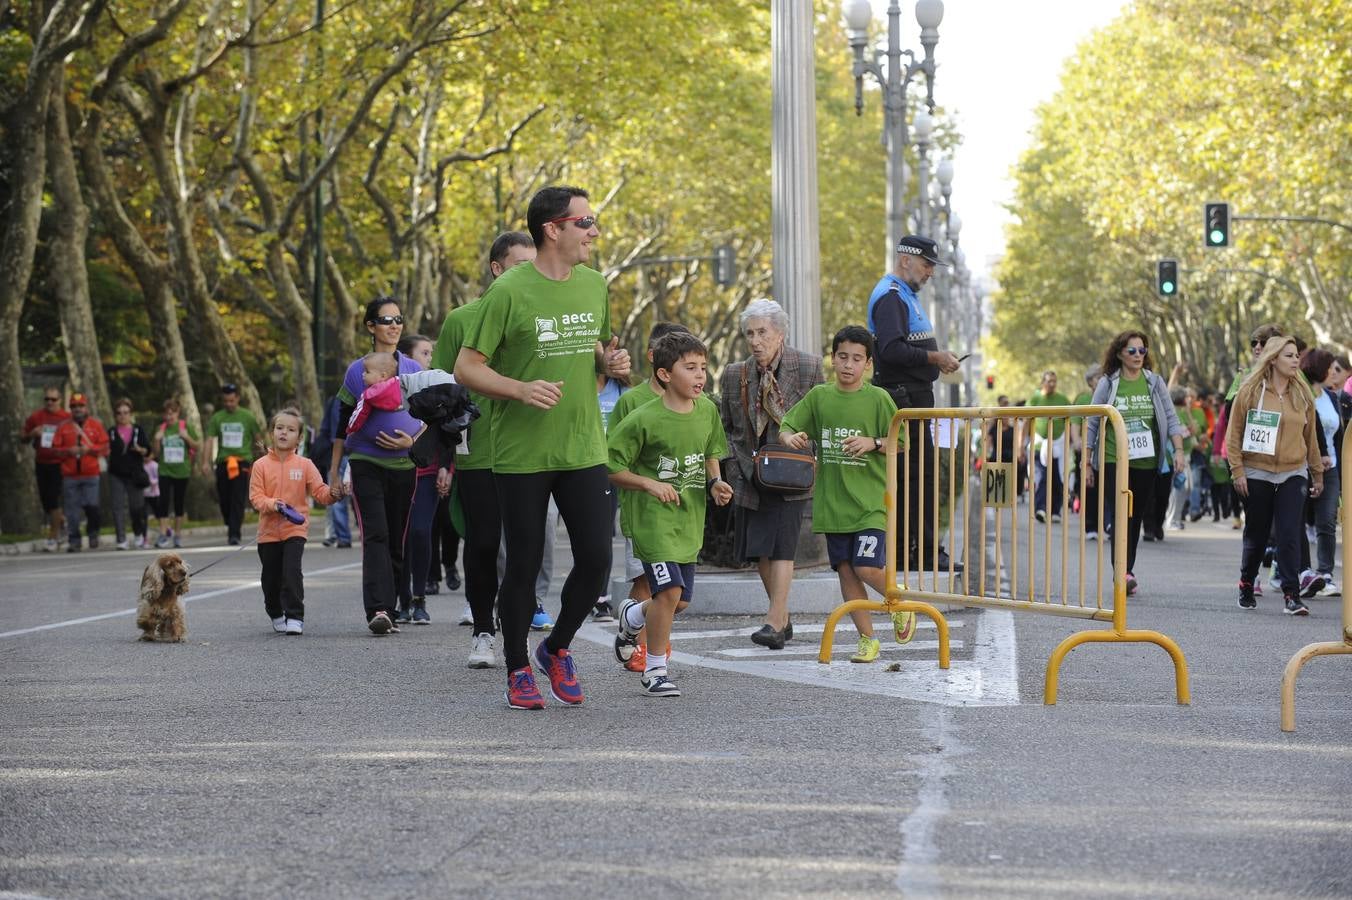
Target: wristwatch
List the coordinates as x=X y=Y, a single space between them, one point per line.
x=877 y=443
x=709 y=485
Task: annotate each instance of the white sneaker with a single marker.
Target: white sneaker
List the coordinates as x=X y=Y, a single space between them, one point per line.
x=1091 y=535
x=51 y=546
x=482 y=655
x=163 y=541
x=123 y=545
x=279 y=625
x=294 y=626
x=1330 y=589
x=467 y=617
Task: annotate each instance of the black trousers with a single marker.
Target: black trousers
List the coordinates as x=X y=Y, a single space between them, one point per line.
x=383 y=499
x=445 y=542
x=919 y=472
x=1141 y=483
x=582 y=496
x=1275 y=510
x=478 y=493
x=231 y=494
x=283 y=582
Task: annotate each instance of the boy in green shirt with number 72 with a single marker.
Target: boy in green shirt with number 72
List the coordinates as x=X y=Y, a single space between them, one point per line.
x=850 y=417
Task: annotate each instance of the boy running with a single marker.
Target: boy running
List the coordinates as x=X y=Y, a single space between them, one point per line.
x=850 y=417
x=633 y=651
x=666 y=454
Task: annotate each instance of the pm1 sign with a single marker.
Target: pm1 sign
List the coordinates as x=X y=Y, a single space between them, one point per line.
x=997 y=485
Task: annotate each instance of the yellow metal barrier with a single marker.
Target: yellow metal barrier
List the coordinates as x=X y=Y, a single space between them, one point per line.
x=998 y=487
x=1328 y=648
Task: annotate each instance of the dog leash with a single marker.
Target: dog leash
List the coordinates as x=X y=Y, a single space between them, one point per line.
x=224 y=557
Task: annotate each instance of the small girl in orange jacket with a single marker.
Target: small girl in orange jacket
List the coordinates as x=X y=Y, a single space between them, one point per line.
x=278 y=485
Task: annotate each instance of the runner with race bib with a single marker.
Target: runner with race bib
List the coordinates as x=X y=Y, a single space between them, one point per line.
x=1142 y=397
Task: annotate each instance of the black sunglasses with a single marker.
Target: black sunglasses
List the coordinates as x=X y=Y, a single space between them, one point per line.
x=583 y=222
x=388 y=320
x=1135 y=351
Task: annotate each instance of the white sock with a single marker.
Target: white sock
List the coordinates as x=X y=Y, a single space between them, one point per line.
x=604 y=598
x=655 y=661
x=634 y=617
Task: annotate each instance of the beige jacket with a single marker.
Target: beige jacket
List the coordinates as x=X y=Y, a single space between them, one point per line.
x=1297 y=444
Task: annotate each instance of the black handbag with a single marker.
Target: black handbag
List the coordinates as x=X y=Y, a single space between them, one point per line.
x=784 y=470
x=140 y=477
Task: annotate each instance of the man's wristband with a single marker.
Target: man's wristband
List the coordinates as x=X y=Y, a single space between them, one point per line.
x=877 y=444
x=709 y=485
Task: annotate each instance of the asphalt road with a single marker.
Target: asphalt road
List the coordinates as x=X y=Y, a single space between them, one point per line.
x=245 y=763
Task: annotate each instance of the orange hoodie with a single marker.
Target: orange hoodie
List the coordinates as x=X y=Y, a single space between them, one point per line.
x=290 y=480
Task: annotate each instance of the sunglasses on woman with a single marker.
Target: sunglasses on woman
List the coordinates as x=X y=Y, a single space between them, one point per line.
x=1135 y=351
x=388 y=320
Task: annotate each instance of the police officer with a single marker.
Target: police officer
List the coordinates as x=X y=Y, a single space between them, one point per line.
x=906 y=363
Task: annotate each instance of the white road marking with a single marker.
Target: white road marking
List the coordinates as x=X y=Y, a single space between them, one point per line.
x=805 y=628
x=840 y=648
x=918 y=875
x=990 y=678
x=188 y=599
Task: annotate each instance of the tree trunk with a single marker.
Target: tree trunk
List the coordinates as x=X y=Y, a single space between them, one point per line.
x=68 y=271
x=26 y=145
x=152 y=274
x=219 y=348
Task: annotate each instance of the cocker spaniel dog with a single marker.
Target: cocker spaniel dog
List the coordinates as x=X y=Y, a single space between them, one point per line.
x=159 y=612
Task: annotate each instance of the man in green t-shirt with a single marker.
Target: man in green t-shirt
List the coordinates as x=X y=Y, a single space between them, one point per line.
x=1049 y=446
x=475 y=488
x=665 y=455
x=848 y=419
x=231 y=434
x=542 y=334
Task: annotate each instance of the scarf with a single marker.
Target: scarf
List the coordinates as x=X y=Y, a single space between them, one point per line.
x=770 y=402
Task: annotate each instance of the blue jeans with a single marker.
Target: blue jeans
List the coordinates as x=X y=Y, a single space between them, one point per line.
x=336 y=521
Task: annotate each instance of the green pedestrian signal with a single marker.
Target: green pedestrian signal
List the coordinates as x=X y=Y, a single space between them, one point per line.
x=1166 y=277
x=1217 y=228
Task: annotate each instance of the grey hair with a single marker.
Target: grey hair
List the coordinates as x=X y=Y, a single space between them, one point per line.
x=765 y=308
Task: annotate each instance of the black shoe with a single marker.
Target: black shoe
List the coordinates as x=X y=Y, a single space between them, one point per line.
x=453 y=580
x=344 y=545
x=1294 y=607
x=788 y=630
x=769 y=637
x=329 y=542
x=1246 y=598
x=944 y=562
x=402 y=614
x=233 y=542
x=433 y=587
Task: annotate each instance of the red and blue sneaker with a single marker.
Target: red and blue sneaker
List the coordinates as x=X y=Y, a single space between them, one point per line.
x=521 y=690
x=562 y=674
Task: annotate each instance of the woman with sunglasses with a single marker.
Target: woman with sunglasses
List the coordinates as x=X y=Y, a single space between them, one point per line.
x=128 y=447
x=1142 y=397
x=382 y=474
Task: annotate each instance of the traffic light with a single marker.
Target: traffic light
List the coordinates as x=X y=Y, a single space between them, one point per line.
x=725 y=265
x=990 y=382
x=1217 y=218
x=1166 y=277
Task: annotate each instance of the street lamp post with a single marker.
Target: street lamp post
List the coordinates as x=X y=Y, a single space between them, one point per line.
x=894 y=82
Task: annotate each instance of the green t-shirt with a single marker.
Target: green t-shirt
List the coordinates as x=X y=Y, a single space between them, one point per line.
x=1040 y=425
x=175 y=457
x=1133 y=402
x=848 y=495
x=235 y=433
x=1083 y=398
x=535 y=329
x=629 y=401
x=476 y=450
x=670 y=447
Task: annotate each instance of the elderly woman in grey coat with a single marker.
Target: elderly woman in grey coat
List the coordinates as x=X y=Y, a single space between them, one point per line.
x=755 y=393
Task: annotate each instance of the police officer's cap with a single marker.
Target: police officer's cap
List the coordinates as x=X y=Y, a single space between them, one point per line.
x=922 y=247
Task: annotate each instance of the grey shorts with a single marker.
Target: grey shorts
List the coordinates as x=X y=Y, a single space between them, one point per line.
x=770 y=532
x=632 y=567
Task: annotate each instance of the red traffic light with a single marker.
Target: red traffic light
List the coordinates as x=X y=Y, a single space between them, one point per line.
x=990 y=382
